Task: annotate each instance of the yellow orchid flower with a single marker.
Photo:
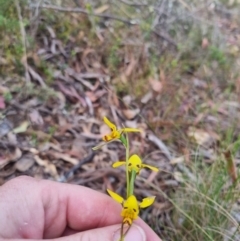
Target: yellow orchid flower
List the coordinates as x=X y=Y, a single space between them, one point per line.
x=115 y=133
x=134 y=163
x=131 y=206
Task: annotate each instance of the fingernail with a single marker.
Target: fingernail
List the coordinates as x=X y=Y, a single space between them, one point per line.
x=135 y=233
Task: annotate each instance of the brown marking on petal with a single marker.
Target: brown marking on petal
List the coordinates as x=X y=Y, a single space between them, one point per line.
x=105 y=138
x=127 y=220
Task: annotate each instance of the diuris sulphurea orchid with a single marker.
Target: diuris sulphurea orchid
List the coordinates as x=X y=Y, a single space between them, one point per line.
x=131 y=206
x=115 y=133
x=135 y=164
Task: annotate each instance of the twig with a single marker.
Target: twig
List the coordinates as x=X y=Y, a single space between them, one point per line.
x=83 y=11
x=160 y=10
x=185 y=5
x=160 y=145
x=166 y=37
x=23 y=35
x=133 y=3
x=70 y=173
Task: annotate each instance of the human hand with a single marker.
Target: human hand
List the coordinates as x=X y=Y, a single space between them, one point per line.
x=41 y=209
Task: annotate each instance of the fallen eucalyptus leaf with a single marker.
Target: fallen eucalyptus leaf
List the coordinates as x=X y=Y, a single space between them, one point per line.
x=24 y=163
x=130 y=114
x=22 y=128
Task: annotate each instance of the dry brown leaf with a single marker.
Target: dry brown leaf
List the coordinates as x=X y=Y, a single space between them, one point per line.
x=32 y=150
x=12 y=138
x=178 y=176
x=3 y=61
x=36 y=118
x=177 y=160
x=5 y=127
x=201 y=137
x=147 y=97
x=91 y=95
x=122 y=78
x=130 y=114
x=22 y=128
x=130 y=67
x=5 y=158
x=205 y=43
x=61 y=98
x=77 y=149
x=100 y=93
x=162 y=76
x=41 y=136
x=48 y=167
x=55 y=147
x=101 y=9
x=3 y=89
x=24 y=163
x=71 y=93
x=82 y=80
x=127 y=99
x=64 y=157
x=36 y=76
x=156 y=85
x=16 y=154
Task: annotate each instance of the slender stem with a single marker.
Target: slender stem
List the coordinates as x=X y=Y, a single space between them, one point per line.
x=132 y=179
x=122 y=235
x=127 y=160
x=23 y=36
x=127 y=230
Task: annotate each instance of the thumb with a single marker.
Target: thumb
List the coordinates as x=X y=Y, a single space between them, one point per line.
x=110 y=233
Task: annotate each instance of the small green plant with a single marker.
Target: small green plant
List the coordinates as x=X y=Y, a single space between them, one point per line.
x=217 y=55
x=7 y=96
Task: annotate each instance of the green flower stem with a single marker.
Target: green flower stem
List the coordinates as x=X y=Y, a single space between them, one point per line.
x=132 y=179
x=127 y=160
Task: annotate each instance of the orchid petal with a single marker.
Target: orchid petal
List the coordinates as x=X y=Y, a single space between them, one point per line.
x=115 y=196
x=155 y=169
x=109 y=124
x=118 y=164
x=146 y=202
x=130 y=130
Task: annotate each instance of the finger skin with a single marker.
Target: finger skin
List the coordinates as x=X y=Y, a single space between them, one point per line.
x=109 y=233
x=37 y=209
